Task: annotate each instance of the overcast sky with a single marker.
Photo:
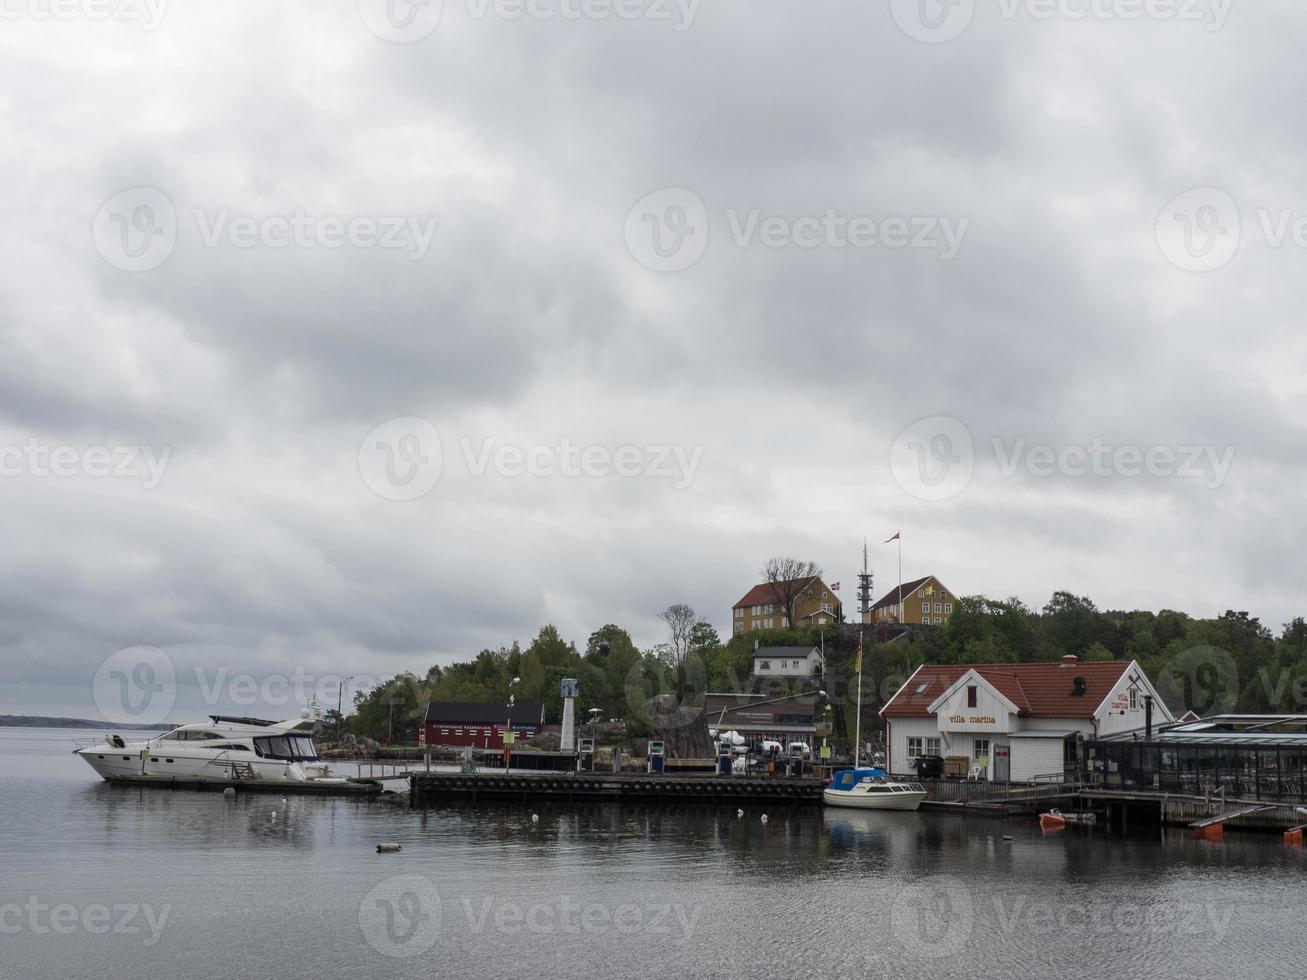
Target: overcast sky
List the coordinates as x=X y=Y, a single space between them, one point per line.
x=404 y=335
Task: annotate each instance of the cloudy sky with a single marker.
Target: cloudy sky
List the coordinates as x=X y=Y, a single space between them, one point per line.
x=350 y=337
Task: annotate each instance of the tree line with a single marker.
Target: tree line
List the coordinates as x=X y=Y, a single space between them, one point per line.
x=1228 y=663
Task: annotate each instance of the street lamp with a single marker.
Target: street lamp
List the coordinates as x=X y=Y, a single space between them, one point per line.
x=340 y=693
x=508 y=725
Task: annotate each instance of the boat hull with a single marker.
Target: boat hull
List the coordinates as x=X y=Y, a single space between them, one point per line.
x=906 y=800
x=125 y=764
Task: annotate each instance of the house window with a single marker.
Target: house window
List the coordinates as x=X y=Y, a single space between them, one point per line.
x=932 y=746
x=971 y=695
x=739 y=613
x=1134 y=698
x=739 y=627
x=925 y=607
x=980 y=749
x=938 y=621
x=764 y=665
x=921 y=593
x=915 y=747
x=821 y=620
x=939 y=607
x=948 y=607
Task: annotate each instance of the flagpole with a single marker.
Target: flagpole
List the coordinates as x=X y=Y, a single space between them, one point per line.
x=902 y=616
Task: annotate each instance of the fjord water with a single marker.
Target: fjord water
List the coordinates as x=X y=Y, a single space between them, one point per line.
x=103 y=881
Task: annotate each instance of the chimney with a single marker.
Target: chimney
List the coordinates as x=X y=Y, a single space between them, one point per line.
x=1070 y=660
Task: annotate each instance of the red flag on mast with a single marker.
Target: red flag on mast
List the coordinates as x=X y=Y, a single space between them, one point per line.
x=895 y=538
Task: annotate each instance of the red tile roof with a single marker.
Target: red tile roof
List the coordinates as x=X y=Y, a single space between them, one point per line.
x=1038 y=690
x=761 y=595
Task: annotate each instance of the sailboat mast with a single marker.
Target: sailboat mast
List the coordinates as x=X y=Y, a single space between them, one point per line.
x=862 y=618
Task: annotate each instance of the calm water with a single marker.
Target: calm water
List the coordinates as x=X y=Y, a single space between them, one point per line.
x=99 y=881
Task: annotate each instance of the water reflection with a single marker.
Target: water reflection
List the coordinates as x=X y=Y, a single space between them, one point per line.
x=810 y=891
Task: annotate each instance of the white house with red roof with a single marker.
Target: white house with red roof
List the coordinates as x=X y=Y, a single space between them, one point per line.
x=1016 y=721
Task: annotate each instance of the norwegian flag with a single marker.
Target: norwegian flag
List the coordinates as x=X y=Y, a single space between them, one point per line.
x=895 y=538
x=835 y=586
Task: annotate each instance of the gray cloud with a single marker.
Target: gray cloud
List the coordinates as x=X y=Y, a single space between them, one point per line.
x=528 y=321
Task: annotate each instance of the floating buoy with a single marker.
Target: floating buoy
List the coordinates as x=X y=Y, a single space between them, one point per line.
x=764 y=818
x=388 y=848
x=535 y=818
x=739 y=813
x=274 y=816
x=230 y=791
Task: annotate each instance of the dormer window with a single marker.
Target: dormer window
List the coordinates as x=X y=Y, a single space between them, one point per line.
x=971 y=695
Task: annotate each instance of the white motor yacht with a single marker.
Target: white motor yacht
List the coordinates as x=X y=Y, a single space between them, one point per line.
x=224 y=751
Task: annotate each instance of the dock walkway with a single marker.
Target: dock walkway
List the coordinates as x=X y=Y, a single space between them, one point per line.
x=433 y=788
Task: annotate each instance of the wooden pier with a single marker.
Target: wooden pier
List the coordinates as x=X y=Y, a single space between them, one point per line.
x=434 y=788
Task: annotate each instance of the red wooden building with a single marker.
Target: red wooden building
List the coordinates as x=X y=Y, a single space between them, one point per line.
x=480 y=725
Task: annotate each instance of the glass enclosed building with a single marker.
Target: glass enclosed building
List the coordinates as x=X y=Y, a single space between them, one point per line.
x=1241 y=756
